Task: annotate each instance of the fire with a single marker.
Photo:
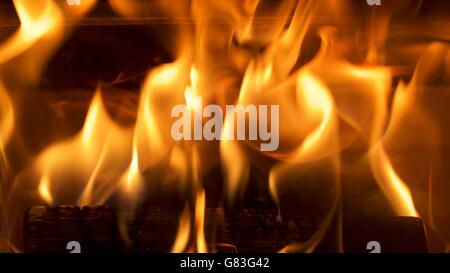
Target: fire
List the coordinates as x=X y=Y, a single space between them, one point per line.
x=6 y=121
x=200 y=206
x=35 y=26
x=396 y=190
x=183 y=236
x=191 y=92
x=184 y=231
x=353 y=100
x=132 y=178
x=235 y=166
x=418 y=124
x=315 y=98
x=44 y=190
x=37 y=20
x=163 y=86
x=100 y=148
x=265 y=76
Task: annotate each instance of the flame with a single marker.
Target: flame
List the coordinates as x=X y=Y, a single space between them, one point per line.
x=413 y=120
x=22 y=59
x=235 y=165
x=132 y=178
x=200 y=206
x=191 y=94
x=133 y=172
x=395 y=189
x=183 y=233
x=163 y=87
x=267 y=80
x=34 y=25
x=336 y=102
x=181 y=242
x=317 y=100
x=389 y=181
x=133 y=8
x=100 y=147
x=44 y=190
x=6 y=121
x=40 y=18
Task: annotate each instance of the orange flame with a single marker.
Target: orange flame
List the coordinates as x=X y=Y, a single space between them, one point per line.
x=184 y=231
x=341 y=100
x=22 y=58
x=200 y=206
x=37 y=19
x=44 y=190
x=132 y=177
x=395 y=189
x=101 y=147
x=6 y=122
x=163 y=87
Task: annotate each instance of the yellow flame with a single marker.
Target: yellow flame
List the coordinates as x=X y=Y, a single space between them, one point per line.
x=191 y=94
x=268 y=80
x=372 y=89
x=235 y=166
x=101 y=147
x=37 y=19
x=132 y=178
x=389 y=181
x=200 y=205
x=183 y=233
x=240 y=58
x=163 y=88
x=32 y=26
x=44 y=190
x=318 y=101
x=408 y=122
x=22 y=59
x=6 y=119
x=392 y=185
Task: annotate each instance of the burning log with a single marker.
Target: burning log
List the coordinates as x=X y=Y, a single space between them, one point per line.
x=49 y=229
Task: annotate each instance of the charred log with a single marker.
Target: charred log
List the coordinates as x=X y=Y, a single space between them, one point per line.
x=49 y=229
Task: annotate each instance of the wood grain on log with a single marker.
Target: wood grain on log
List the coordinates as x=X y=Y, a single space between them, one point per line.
x=247 y=230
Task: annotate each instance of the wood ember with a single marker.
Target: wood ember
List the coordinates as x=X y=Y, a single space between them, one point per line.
x=246 y=230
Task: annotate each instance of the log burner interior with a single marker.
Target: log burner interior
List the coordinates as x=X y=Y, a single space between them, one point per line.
x=116 y=133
